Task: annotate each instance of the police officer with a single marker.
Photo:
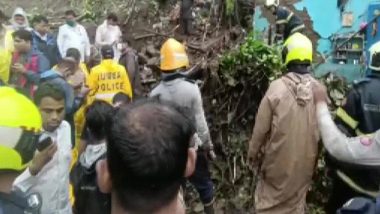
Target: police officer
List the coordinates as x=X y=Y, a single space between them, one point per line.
x=20 y=124
x=287 y=22
x=359 y=115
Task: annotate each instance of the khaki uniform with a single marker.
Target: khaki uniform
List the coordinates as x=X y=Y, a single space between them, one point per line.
x=286 y=137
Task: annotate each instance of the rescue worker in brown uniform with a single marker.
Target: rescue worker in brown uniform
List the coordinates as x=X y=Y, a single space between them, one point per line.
x=286 y=135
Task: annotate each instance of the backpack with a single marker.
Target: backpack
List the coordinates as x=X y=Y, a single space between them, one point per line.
x=88 y=198
x=361 y=205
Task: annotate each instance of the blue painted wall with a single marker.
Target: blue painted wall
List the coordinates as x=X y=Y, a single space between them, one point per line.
x=326 y=18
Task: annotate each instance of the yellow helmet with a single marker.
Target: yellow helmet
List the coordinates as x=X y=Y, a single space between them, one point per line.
x=173 y=56
x=20 y=125
x=298 y=49
x=374 y=58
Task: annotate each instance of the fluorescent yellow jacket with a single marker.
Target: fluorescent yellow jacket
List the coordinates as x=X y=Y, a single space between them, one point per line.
x=6 y=50
x=107 y=79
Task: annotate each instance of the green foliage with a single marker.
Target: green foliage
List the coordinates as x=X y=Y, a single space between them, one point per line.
x=233 y=98
x=254 y=61
x=243 y=78
x=230 y=7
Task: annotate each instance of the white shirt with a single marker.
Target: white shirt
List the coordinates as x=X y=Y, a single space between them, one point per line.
x=73 y=37
x=44 y=37
x=52 y=182
x=108 y=35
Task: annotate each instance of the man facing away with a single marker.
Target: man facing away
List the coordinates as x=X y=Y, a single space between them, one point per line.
x=88 y=198
x=287 y=23
x=108 y=78
x=52 y=182
x=148 y=157
x=286 y=135
x=361 y=152
x=358 y=116
x=176 y=88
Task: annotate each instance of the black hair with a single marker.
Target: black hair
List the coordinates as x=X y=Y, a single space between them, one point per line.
x=67 y=63
x=107 y=52
x=48 y=90
x=74 y=53
x=121 y=97
x=113 y=17
x=148 y=144
x=70 y=13
x=97 y=115
x=38 y=19
x=24 y=35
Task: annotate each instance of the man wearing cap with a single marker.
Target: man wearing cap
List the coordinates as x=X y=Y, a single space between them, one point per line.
x=108 y=78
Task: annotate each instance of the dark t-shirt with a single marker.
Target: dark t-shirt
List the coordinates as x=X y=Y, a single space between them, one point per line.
x=17 y=203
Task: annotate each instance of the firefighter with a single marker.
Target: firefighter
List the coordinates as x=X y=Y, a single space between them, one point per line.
x=287 y=22
x=176 y=88
x=20 y=125
x=362 y=151
x=283 y=149
x=359 y=115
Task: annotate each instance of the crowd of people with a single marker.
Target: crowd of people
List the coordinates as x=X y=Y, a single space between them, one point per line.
x=78 y=139
x=62 y=161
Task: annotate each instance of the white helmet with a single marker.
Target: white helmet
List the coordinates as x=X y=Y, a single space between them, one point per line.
x=374 y=58
x=270 y=3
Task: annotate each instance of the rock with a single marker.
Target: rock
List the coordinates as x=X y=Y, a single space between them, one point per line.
x=158 y=26
x=152 y=51
x=147 y=75
x=175 y=13
x=143 y=50
x=153 y=61
x=143 y=59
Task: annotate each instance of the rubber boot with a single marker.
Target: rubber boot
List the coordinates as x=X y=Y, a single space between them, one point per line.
x=209 y=208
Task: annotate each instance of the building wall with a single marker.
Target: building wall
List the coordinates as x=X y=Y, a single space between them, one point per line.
x=322 y=18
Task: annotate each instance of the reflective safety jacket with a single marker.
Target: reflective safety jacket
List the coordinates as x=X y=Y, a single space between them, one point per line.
x=361 y=112
x=107 y=79
x=360 y=154
x=359 y=115
x=287 y=23
x=6 y=49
